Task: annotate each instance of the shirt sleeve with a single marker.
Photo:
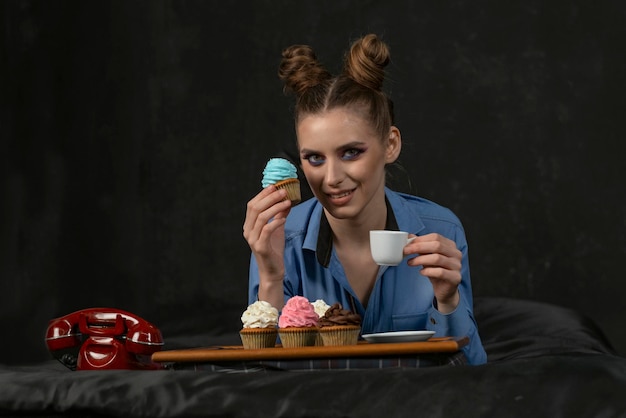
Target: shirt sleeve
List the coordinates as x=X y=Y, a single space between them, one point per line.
x=253 y=281
x=459 y=323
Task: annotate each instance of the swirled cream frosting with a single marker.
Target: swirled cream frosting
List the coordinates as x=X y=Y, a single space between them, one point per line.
x=336 y=315
x=278 y=169
x=320 y=307
x=298 y=312
x=260 y=315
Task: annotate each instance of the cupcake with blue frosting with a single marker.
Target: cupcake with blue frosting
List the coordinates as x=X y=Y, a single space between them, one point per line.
x=282 y=174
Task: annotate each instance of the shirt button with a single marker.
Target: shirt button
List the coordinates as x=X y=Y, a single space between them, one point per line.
x=433 y=321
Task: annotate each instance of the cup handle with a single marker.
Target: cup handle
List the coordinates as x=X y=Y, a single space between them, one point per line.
x=410 y=239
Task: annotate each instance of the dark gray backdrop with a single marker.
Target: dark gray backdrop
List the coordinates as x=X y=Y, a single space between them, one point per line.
x=134 y=133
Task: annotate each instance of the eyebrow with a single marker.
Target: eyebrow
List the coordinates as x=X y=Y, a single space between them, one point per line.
x=349 y=145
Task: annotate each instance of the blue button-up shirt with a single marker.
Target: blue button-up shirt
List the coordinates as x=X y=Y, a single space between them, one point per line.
x=402 y=299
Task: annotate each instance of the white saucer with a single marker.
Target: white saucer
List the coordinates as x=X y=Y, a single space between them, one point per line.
x=399 y=336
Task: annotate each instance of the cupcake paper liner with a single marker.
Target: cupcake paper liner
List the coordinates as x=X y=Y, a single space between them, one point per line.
x=340 y=334
x=298 y=337
x=292 y=186
x=254 y=338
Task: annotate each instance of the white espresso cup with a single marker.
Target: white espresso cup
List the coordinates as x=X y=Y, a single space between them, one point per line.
x=387 y=246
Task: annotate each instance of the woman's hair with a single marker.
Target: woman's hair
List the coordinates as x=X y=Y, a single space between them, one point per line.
x=358 y=87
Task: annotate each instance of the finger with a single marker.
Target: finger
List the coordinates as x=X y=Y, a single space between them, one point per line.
x=436 y=260
x=253 y=206
x=442 y=274
x=283 y=214
x=279 y=209
x=425 y=245
x=272 y=211
x=262 y=200
x=262 y=245
x=260 y=203
x=433 y=237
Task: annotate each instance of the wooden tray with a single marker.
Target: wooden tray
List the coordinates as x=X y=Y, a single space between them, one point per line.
x=363 y=349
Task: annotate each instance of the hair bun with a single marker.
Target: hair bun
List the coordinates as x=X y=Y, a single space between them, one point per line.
x=300 y=70
x=366 y=61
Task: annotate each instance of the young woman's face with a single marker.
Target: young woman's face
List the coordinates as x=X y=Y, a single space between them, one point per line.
x=344 y=161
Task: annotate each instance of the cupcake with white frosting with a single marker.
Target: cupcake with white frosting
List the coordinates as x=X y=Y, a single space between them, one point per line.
x=260 y=322
x=320 y=307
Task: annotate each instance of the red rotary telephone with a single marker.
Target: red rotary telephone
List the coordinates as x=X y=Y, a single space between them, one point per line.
x=103 y=338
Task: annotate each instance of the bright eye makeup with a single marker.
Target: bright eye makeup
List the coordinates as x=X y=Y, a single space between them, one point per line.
x=348 y=153
x=352 y=153
x=313 y=159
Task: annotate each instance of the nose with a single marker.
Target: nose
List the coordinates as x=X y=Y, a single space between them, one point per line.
x=335 y=174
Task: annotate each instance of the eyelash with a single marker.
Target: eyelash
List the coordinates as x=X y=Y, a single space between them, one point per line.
x=348 y=155
x=309 y=158
x=355 y=152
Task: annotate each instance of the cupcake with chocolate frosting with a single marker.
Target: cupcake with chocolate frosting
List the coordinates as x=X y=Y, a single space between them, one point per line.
x=340 y=326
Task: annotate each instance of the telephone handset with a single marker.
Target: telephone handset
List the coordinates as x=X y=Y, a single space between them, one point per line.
x=103 y=338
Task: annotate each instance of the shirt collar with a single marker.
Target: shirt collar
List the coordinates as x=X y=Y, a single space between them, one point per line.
x=324 y=247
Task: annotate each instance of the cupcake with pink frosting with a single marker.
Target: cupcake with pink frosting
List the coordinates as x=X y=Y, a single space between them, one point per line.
x=297 y=324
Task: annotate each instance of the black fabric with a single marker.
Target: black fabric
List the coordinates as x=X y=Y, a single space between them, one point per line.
x=512 y=328
x=554 y=386
x=544 y=360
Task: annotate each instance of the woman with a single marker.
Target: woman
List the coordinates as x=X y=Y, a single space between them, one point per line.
x=320 y=248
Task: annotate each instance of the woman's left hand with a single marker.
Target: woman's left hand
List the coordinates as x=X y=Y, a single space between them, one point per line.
x=441 y=263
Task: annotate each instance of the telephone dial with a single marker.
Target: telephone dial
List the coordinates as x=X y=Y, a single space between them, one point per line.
x=103 y=338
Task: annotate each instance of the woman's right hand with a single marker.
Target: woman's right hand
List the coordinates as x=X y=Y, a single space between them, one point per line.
x=264 y=230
